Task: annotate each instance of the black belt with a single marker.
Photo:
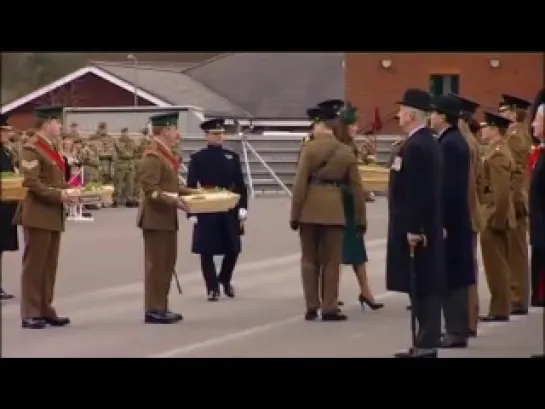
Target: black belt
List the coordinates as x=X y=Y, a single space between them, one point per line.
x=325 y=182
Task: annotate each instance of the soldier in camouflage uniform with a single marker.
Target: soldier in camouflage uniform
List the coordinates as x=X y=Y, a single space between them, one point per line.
x=90 y=160
x=145 y=142
x=105 y=145
x=124 y=169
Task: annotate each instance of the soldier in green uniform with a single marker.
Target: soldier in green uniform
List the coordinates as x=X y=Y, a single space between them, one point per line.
x=141 y=146
x=124 y=172
x=90 y=160
x=105 y=146
x=519 y=140
x=498 y=215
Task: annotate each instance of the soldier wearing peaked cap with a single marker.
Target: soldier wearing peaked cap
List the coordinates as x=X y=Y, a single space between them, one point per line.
x=520 y=142
x=158 y=218
x=415 y=223
x=313 y=115
x=459 y=260
x=42 y=217
x=468 y=126
x=498 y=215
x=218 y=233
x=325 y=166
x=8 y=232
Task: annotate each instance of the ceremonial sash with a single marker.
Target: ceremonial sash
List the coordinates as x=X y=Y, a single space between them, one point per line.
x=534 y=156
x=52 y=154
x=174 y=163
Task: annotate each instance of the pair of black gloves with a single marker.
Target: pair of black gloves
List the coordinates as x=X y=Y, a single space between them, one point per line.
x=360 y=229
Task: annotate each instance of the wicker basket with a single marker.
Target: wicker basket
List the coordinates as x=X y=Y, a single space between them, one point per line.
x=211 y=202
x=11 y=183
x=375 y=178
x=12 y=194
x=106 y=195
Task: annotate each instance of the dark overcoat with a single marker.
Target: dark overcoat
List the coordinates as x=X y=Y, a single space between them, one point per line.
x=459 y=260
x=414 y=206
x=217 y=233
x=537 y=204
x=8 y=231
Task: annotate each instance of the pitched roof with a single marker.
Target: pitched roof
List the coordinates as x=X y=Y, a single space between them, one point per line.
x=78 y=74
x=171 y=85
x=273 y=85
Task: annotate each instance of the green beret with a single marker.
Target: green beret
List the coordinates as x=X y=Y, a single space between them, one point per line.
x=49 y=112
x=165 y=119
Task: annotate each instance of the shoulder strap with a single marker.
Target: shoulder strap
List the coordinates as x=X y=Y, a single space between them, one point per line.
x=329 y=155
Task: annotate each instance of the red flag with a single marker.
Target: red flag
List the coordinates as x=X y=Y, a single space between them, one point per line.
x=76 y=181
x=377 y=123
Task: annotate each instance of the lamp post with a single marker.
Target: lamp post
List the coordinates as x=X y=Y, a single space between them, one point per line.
x=132 y=58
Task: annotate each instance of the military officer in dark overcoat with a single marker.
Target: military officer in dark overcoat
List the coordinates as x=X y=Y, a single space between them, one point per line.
x=415 y=222
x=8 y=232
x=459 y=262
x=218 y=233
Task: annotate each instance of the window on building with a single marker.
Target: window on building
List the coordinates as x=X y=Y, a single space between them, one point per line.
x=441 y=84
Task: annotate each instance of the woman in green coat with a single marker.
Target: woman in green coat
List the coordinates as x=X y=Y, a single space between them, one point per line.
x=354 y=252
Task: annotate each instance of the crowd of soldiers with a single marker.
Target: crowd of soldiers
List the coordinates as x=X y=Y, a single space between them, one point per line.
x=454 y=179
x=100 y=158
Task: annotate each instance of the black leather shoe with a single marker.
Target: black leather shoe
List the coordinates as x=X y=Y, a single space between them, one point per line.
x=408 y=308
x=334 y=316
x=311 y=314
x=213 y=295
x=494 y=318
x=228 y=290
x=472 y=333
x=416 y=353
x=33 y=323
x=57 y=321
x=165 y=317
x=519 y=310
x=450 y=342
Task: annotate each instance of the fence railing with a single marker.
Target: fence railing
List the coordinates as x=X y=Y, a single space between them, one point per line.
x=269 y=162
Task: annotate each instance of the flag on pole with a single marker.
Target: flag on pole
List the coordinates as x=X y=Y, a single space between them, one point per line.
x=76 y=181
x=377 y=123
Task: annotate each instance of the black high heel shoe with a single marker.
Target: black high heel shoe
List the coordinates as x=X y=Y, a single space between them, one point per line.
x=373 y=305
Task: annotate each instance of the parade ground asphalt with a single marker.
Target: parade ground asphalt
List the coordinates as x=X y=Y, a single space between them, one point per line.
x=100 y=287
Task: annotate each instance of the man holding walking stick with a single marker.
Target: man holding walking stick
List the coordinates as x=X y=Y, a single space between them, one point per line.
x=414 y=259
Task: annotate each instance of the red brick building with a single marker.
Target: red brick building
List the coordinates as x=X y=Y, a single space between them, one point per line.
x=377 y=80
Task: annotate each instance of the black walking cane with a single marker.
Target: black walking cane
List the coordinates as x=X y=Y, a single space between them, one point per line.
x=177 y=280
x=412 y=289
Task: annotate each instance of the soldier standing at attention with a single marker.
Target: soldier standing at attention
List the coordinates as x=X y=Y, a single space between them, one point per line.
x=158 y=218
x=519 y=141
x=42 y=217
x=105 y=144
x=143 y=144
x=90 y=160
x=317 y=211
x=459 y=260
x=467 y=126
x=218 y=233
x=498 y=215
x=124 y=170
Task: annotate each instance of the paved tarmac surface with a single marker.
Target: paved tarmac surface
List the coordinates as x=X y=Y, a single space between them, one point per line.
x=100 y=287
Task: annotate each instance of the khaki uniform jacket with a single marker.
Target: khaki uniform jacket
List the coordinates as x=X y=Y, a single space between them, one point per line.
x=475 y=183
x=319 y=204
x=497 y=197
x=519 y=141
x=43 y=175
x=158 y=175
